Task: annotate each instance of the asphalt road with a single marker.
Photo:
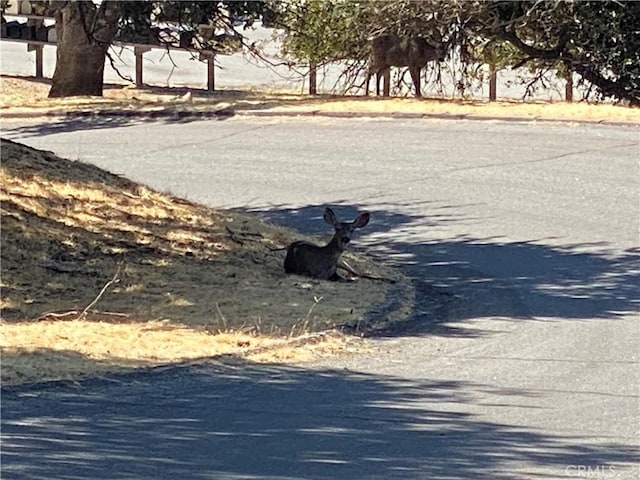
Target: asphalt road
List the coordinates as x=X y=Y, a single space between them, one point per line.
x=521 y=361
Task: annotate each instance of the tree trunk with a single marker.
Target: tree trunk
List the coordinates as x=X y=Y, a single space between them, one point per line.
x=84 y=33
x=313 y=79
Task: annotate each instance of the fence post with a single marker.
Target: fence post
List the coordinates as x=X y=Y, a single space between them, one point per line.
x=209 y=56
x=38 y=49
x=139 y=51
x=493 y=82
x=211 y=74
x=568 y=88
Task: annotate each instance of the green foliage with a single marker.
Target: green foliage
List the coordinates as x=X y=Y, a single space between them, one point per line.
x=607 y=44
x=177 y=23
x=135 y=21
x=599 y=40
x=319 y=31
x=137 y=16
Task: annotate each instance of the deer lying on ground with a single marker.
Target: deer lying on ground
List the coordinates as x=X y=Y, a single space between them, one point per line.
x=402 y=51
x=304 y=258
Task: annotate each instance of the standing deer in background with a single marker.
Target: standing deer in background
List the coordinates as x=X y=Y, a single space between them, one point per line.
x=402 y=51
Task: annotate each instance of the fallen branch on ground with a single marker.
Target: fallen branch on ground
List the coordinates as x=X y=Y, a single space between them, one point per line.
x=115 y=279
x=82 y=315
x=47 y=315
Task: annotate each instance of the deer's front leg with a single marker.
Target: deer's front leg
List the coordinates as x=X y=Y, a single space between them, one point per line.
x=415 y=76
x=378 y=77
x=386 y=87
x=366 y=85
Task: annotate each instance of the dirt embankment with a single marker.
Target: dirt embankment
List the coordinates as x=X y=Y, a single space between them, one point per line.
x=82 y=245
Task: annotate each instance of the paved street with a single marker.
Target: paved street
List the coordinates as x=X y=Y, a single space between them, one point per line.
x=521 y=361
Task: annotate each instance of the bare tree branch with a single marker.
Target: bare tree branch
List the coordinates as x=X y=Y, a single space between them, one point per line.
x=116 y=69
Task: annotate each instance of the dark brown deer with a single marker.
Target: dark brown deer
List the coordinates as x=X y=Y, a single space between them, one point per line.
x=304 y=258
x=402 y=51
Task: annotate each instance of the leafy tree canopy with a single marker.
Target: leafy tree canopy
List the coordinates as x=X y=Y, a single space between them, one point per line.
x=599 y=40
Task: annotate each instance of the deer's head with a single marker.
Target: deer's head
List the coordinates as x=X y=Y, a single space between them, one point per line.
x=344 y=230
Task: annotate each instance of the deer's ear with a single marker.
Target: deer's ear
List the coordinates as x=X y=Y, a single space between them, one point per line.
x=361 y=221
x=330 y=217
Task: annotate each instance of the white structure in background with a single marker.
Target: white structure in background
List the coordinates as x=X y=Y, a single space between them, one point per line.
x=176 y=68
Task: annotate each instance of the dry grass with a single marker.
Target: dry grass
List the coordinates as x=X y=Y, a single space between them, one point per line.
x=77 y=203
x=100 y=274
x=69 y=350
x=471 y=109
x=24 y=95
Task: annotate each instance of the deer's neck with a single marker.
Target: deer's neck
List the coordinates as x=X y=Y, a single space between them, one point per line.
x=335 y=246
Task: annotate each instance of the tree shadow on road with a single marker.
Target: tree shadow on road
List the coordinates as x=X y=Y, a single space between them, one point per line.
x=236 y=420
x=105 y=119
x=537 y=280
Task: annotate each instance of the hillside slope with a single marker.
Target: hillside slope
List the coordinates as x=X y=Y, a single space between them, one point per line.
x=96 y=267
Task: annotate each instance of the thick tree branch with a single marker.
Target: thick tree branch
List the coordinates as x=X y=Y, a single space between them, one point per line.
x=116 y=69
x=607 y=87
x=105 y=25
x=532 y=52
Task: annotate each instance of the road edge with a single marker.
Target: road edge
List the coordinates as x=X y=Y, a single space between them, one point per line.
x=230 y=112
